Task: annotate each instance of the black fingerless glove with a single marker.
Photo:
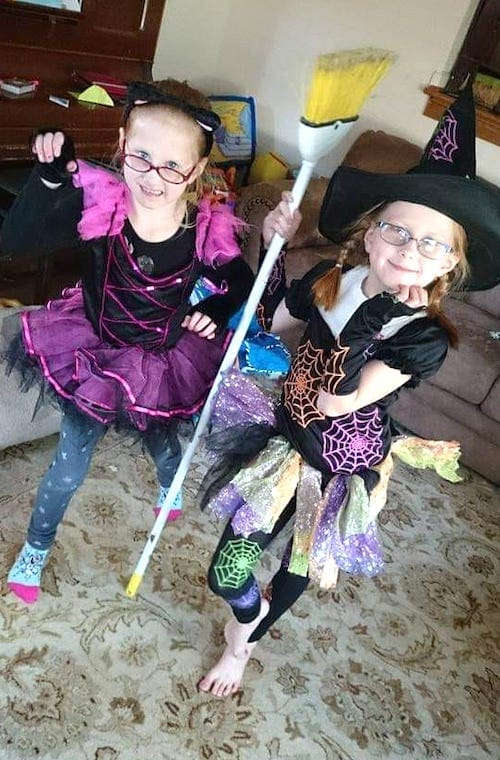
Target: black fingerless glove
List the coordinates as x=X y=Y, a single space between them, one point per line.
x=56 y=170
x=237 y=279
x=344 y=371
x=275 y=288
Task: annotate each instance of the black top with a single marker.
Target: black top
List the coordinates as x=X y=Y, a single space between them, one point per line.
x=125 y=275
x=358 y=440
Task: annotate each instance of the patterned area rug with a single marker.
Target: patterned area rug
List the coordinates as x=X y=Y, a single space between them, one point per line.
x=401 y=666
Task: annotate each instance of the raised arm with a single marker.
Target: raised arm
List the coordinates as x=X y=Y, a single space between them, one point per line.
x=272 y=312
x=43 y=218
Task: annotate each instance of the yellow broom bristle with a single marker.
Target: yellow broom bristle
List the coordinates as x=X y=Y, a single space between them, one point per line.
x=342 y=82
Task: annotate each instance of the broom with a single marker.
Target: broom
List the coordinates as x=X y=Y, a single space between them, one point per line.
x=341 y=83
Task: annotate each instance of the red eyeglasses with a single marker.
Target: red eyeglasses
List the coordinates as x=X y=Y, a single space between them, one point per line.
x=142 y=165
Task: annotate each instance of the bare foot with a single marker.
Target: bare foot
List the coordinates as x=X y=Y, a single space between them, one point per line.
x=226 y=675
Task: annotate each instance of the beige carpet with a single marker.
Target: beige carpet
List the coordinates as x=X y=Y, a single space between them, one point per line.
x=402 y=666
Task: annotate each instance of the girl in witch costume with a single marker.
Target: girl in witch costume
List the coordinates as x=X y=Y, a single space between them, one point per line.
x=324 y=454
x=125 y=345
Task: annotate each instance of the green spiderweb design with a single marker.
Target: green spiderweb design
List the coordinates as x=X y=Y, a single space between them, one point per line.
x=236 y=562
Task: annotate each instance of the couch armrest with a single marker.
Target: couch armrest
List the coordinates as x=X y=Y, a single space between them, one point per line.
x=17 y=407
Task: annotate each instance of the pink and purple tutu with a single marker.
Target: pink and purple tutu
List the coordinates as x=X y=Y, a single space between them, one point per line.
x=118 y=383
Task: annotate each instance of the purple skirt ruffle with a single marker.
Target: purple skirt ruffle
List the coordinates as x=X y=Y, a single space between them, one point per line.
x=109 y=382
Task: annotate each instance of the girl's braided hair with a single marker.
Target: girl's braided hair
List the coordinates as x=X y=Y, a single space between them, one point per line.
x=326 y=288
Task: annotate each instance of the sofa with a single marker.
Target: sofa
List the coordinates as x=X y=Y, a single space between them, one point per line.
x=462 y=401
x=17 y=424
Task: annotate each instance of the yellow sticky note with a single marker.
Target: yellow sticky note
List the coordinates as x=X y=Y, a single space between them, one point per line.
x=95 y=94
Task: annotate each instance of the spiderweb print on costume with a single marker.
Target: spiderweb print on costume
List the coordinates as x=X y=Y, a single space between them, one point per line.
x=249 y=599
x=236 y=562
x=445 y=143
x=353 y=442
x=264 y=322
x=302 y=385
x=333 y=369
x=277 y=274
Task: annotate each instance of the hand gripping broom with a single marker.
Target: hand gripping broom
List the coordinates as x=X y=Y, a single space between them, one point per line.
x=341 y=83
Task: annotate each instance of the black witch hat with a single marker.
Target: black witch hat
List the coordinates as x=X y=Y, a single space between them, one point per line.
x=445 y=180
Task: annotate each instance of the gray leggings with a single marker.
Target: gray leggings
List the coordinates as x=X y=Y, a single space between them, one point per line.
x=77 y=440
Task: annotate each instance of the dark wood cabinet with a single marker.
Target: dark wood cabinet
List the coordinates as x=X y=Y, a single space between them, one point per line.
x=109 y=37
x=113 y=37
x=480 y=52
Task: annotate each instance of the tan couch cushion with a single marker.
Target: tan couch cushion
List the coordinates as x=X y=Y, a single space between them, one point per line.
x=16 y=407
x=434 y=413
x=256 y=200
x=376 y=151
x=487 y=300
x=491 y=404
x=470 y=372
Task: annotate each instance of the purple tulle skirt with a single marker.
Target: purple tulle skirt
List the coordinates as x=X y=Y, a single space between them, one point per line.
x=113 y=383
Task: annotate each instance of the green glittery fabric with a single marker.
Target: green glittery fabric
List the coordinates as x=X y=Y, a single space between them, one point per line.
x=441 y=456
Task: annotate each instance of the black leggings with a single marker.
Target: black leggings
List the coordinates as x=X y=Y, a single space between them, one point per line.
x=230 y=576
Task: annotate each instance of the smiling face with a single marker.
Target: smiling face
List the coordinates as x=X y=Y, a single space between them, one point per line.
x=392 y=266
x=164 y=138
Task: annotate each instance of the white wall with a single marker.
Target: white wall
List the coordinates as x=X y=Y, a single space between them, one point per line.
x=266 y=48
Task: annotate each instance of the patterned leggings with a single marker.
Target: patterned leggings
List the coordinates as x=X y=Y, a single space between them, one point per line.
x=230 y=576
x=77 y=440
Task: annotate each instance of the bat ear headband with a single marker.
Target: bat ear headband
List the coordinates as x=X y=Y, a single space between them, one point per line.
x=445 y=180
x=144 y=93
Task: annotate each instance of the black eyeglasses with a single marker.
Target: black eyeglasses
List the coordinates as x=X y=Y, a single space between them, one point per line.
x=426 y=246
x=142 y=165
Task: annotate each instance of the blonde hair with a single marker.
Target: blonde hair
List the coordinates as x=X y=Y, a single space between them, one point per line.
x=326 y=288
x=209 y=182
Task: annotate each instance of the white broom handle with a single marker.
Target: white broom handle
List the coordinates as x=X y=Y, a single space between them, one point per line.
x=298 y=190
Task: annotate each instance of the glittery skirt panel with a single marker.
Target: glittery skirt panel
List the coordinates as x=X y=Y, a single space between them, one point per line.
x=334 y=527
x=117 y=383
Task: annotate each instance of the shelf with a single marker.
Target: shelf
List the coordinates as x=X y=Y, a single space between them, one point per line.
x=487 y=122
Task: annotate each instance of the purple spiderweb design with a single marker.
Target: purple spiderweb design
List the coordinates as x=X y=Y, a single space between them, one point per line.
x=445 y=143
x=353 y=442
x=277 y=275
x=248 y=599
